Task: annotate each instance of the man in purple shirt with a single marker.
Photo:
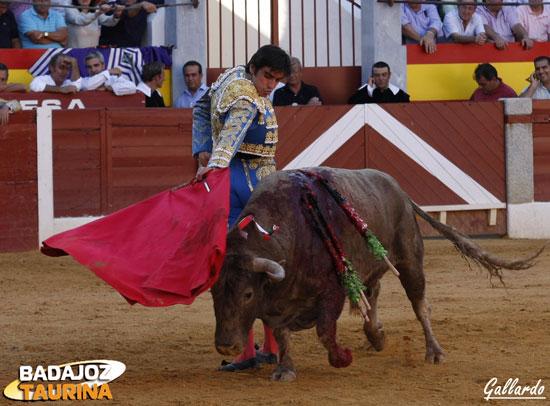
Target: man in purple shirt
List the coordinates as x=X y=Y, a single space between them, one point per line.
x=420 y=24
x=490 y=86
x=502 y=25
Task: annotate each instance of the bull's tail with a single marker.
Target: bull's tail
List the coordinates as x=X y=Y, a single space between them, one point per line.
x=470 y=249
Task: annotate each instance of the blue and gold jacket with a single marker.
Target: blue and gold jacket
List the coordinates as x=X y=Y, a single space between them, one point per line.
x=233 y=120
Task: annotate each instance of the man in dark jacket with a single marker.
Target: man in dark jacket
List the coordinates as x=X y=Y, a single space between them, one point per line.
x=378 y=88
x=296 y=92
x=152 y=78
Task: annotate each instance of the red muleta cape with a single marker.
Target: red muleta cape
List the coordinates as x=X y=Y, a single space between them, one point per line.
x=161 y=251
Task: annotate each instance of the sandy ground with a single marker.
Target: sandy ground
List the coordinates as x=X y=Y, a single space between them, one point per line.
x=55 y=311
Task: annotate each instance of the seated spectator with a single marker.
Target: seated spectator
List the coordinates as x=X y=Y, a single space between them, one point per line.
x=195 y=89
x=536 y=20
x=131 y=27
x=502 y=25
x=7 y=107
x=490 y=86
x=463 y=26
x=420 y=24
x=539 y=87
x=445 y=9
x=296 y=92
x=9 y=35
x=58 y=80
x=152 y=79
x=84 y=24
x=378 y=88
x=9 y=87
x=39 y=27
x=102 y=79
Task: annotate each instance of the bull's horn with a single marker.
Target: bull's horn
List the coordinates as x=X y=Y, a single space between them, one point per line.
x=271 y=268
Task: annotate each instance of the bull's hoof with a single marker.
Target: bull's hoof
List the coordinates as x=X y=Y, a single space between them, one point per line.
x=340 y=358
x=434 y=355
x=239 y=366
x=379 y=341
x=283 y=375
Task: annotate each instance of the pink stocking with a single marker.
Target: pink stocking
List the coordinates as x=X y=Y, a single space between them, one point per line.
x=270 y=345
x=249 y=351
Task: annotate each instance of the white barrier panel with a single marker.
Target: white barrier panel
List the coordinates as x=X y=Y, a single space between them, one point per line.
x=47 y=224
x=529 y=220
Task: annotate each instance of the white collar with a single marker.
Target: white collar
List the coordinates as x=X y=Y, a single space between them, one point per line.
x=394 y=89
x=143 y=88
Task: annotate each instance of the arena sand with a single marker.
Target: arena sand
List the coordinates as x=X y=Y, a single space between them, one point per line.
x=55 y=311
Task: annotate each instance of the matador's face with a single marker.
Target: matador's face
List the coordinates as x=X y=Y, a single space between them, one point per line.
x=265 y=79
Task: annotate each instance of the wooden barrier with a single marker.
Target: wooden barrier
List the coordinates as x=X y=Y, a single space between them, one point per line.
x=106 y=159
x=18 y=184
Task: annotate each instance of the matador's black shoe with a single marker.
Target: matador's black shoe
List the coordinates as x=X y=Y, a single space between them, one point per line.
x=265 y=358
x=239 y=366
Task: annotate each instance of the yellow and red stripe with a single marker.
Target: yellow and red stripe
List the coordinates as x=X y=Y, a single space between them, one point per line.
x=448 y=73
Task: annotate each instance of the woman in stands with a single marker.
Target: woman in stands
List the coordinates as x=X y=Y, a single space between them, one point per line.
x=84 y=24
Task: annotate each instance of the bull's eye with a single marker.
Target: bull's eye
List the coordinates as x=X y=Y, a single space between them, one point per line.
x=247 y=297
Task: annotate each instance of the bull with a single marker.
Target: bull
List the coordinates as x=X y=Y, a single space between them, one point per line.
x=290 y=282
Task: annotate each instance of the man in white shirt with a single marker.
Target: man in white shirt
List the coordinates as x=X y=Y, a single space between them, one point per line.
x=195 y=89
x=464 y=26
x=539 y=79
x=109 y=80
x=58 y=80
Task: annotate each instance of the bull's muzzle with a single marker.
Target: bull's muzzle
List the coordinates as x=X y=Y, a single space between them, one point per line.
x=229 y=349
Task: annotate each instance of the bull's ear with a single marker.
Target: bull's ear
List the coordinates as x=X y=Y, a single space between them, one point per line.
x=275 y=271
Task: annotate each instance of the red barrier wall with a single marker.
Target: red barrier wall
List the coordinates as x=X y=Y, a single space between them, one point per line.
x=18 y=184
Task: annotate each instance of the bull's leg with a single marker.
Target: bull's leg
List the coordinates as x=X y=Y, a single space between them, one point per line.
x=414 y=283
x=373 y=328
x=285 y=370
x=329 y=309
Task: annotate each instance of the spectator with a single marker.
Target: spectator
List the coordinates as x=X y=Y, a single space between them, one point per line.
x=84 y=24
x=152 y=79
x=464 y=26
x=58 y=80
x=502 y=25
x=7 y=107
x=378 y=88
x=131 y=27
x=536 y=20
x=296 y=92
x=445 y=9
x=9 y=35
x=11 y=87
x=102 y=79
x=420 y=24
x=195 y=89
x=490 y=86
x=39 y=27
x=539 y=80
